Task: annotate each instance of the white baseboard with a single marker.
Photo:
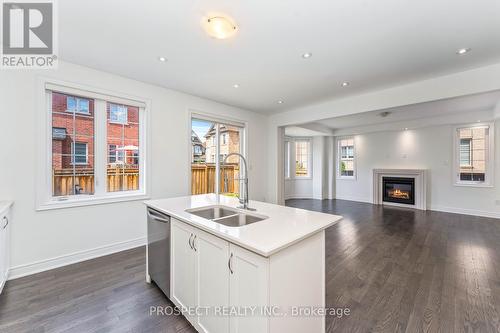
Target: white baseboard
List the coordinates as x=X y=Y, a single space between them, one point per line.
x=44 y=265
x=298 y=197
x=464 y=211
x=349 y=198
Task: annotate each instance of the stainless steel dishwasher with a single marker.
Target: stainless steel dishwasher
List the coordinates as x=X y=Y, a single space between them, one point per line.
x=159 y=249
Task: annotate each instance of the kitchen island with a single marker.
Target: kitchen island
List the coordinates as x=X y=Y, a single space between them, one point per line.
x=234 y=270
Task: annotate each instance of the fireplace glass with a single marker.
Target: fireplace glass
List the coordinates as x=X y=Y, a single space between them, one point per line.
x=399 y=190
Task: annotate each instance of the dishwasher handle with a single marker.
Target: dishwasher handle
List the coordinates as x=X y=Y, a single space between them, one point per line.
x=157 y=216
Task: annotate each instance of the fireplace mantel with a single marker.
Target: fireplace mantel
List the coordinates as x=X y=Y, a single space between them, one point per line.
x=420 y=176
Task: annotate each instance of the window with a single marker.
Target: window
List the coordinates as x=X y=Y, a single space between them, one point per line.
x=474 y=155
x=96 y=154
x=77 y=105
x=286 y=161
x=118 y=114
x=216 y=138
x=346 y=158
x=302 y=157
x=79 y=153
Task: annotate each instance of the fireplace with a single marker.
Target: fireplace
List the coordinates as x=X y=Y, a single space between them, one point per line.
x=398 y=190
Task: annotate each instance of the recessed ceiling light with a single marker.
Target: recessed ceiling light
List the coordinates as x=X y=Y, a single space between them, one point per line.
x=406 y=128
x=463 y=51
x=281 y=101
x=307 y=55
x=345 y=84
x=236 y=85
x=479 y=121
x=219 y=27
x=162 y=59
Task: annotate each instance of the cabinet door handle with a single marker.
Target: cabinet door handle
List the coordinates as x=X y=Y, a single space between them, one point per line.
x=194 y=245
x=190 y=245
x=6 y=222
x=230 y=263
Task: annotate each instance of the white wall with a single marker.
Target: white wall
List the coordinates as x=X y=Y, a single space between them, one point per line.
x=427 y=148
x=39 y=237
x=472 y=81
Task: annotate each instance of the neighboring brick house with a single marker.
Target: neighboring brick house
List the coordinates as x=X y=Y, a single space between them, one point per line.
x=72 y=131
x=229 y=143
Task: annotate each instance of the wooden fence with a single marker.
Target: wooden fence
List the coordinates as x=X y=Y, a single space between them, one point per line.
x=203 y=178
x=64 y=182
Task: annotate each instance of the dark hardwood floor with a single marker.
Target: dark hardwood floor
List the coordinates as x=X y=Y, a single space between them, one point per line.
x=396 y=270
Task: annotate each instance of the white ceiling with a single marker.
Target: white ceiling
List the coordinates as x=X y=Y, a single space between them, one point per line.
x=372 y=44
x=447 y=107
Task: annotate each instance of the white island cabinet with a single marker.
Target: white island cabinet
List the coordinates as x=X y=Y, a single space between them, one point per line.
x=5 y=224
x=251 y=278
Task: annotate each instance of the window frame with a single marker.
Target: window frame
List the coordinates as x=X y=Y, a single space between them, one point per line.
x=489 y=174
x=287 y=158
x=44 y=199
x=339 y=158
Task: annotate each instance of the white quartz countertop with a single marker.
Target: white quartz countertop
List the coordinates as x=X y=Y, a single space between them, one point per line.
x=284 y=227
x=4 y=205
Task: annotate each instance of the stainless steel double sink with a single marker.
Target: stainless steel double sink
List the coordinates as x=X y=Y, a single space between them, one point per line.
x=227 y=216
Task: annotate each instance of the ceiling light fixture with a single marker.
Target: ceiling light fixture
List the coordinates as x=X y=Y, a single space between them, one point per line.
x=281 y=101
x=219 y=27
x=236 y=85
x=406 y=128
x=463 y=51
x=345 y=84
x=307 y=55
x=162 y=59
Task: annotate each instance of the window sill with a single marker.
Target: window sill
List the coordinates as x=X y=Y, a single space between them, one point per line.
x=302 y=178
x=91 y=201
x=474 y=185
x=346 y=178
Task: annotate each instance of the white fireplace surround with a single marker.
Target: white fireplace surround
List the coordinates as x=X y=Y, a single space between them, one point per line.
x=420 y=176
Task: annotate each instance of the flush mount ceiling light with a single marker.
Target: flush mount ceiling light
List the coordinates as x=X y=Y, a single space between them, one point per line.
x=219 y=27
x=463 y=51
x=345 y=84
x=307 y=55
x=162 y=59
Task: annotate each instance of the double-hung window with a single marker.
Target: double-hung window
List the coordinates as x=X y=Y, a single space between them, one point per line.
x=474 y=155
x=94 y=149
x=346 y=158
x=297 y=158
x=302 y=158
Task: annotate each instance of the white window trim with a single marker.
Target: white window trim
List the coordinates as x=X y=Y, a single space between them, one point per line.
x=202 y=115
x=44 y=199
x=338 y=159
x=489 y=180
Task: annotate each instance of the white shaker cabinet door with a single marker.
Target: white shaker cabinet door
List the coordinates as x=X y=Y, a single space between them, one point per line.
x=249 y=288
